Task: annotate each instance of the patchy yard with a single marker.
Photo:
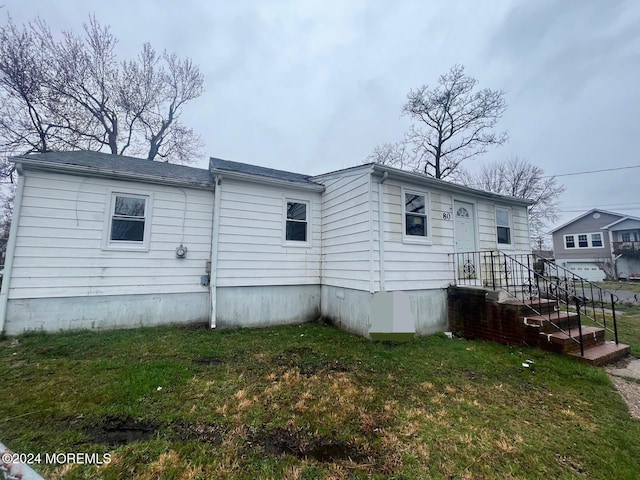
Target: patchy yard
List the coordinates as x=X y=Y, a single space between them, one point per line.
x=309 y=402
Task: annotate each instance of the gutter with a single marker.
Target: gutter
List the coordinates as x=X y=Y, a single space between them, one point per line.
x=385 y=175
x=246 y=177
x=215 y=235
x=96 y=172
x=11 y=247
x=423 y=180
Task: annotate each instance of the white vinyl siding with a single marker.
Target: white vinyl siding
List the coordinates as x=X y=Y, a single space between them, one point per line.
x=61 y=233
x=251 y=251
x=346 y=237
x=487 y=228
x=416 y=266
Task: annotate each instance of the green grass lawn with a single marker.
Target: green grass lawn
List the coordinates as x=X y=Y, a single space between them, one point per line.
x=613 y=286
x=310 y=401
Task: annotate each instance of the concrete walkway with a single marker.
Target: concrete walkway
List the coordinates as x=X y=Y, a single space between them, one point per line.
x=625 y=375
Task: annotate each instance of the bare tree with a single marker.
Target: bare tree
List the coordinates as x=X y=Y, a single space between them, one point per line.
x=398 y=155
x=517 y=177
x=71 y=92
x=454 y=122
x=6 y=211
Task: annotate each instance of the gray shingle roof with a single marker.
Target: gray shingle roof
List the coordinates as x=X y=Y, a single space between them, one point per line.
x=229 y=166
x=107 y=164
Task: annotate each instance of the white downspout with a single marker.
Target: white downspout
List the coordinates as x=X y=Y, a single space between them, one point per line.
x=213 y=281
x=381 y=229
x=11 y=247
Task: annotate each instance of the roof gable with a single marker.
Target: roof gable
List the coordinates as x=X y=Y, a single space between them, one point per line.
x=625 y=223
x=586 y=214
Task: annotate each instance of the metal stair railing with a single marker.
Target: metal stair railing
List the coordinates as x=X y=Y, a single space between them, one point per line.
x=527 y=277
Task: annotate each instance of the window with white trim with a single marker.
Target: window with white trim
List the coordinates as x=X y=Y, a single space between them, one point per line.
x=296 y=227
x=569 y=241
x=583 y=240
x=503 y=226
x=128 y=221
x=415 y=216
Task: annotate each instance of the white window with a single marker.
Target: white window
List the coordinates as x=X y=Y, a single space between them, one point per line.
x=569 y=241
x=128 y=223
x=503 y=226
x=626 y=236
x=584 y=240
x=415 y=216
x=296 y=222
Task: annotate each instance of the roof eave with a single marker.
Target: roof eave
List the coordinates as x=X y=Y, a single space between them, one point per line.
x=422 y=180
x=99 y=172
x=247 y=177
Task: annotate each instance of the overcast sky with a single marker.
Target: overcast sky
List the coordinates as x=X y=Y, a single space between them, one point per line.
x=314 y=86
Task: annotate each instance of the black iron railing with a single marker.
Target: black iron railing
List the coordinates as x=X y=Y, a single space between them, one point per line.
x=528 y=277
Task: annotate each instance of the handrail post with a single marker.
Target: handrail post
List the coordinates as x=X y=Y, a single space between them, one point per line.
x=493 y=273
x=615 y=323
x=579 y=328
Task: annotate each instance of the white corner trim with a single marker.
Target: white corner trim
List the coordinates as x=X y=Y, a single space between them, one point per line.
x=215 y=229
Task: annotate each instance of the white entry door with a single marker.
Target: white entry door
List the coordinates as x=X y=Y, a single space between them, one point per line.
x=464 y=227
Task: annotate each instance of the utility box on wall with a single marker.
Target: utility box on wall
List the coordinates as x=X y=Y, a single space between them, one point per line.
x=391 y=317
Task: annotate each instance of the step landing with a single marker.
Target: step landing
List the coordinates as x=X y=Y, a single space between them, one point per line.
x=602 y=354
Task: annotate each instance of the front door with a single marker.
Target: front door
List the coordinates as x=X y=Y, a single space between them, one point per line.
x=464 y=232
x=465 y=227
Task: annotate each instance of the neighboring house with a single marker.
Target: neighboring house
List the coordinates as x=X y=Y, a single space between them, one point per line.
x=624 y=236
x=102 y=241
x=593 y=245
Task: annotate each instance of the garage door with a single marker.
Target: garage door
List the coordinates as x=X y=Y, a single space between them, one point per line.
x=587 y=270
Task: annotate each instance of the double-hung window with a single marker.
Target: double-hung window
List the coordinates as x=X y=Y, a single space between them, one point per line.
x=503 y=226
x=569 y=241
x=596 y=240
x=296 y=228
x=128 y=223
x=415 y=206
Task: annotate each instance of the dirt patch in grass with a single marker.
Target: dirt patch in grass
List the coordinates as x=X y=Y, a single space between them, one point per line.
x=304 y=444
x=308 y=362
x=120 y=431
x=201 y=432
x=207 y=361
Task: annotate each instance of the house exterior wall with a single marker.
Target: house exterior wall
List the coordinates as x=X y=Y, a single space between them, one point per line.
x=60 y=254
x=487 y=228
x=415 y=265
x=251 y=246
x=587 y=224
x=346 y=232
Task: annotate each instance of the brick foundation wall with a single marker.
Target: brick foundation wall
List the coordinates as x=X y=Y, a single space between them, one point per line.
x=474 y=314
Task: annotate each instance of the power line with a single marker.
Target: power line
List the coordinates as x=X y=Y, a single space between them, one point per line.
x=591 y=171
